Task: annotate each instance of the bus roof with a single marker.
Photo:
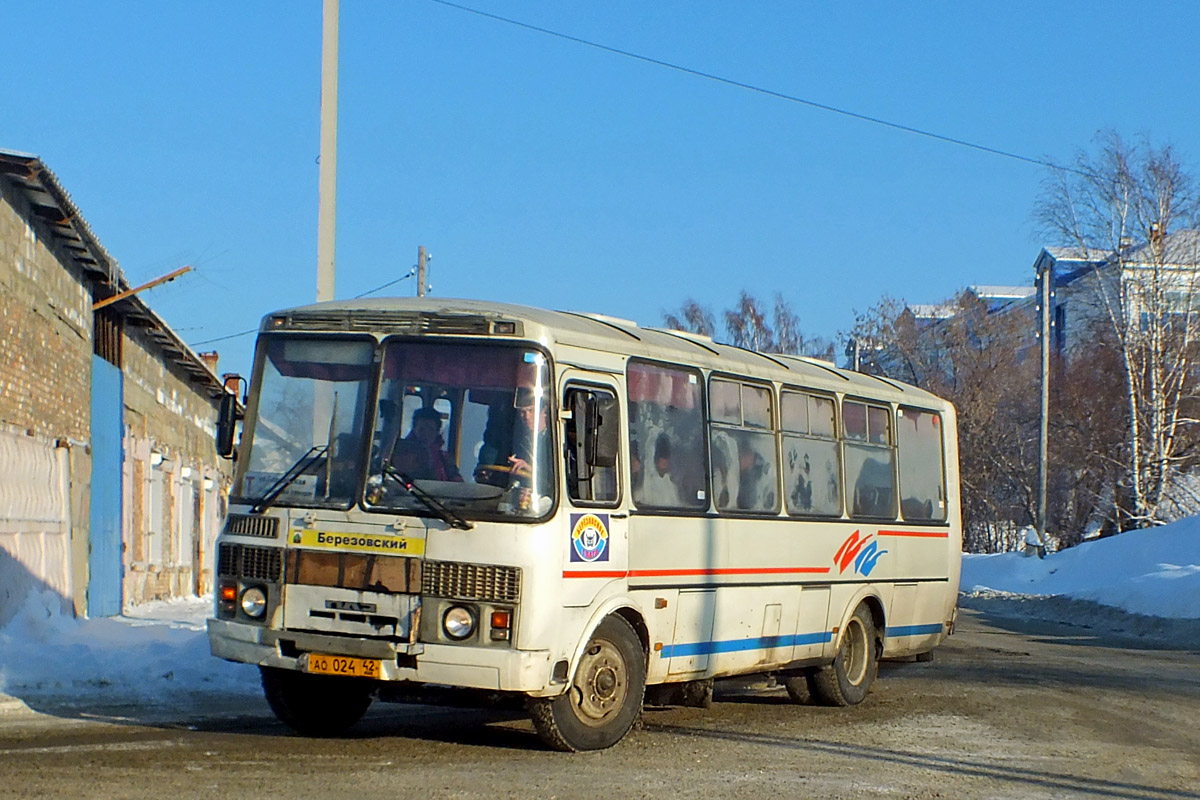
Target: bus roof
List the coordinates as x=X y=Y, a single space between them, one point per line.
x=588 y=332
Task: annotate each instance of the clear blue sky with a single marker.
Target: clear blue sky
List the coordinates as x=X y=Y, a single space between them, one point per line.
x=541 y=171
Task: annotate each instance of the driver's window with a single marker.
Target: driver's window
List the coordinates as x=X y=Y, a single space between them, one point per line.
x=589 y=483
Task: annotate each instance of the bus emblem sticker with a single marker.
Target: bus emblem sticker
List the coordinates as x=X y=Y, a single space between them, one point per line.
x=864 y=552
x=589 y=537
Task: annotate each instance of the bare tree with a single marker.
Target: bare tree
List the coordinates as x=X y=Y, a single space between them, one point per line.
x=969 y=356
x=693 y=318
x=1131 y=210
x=748 y=324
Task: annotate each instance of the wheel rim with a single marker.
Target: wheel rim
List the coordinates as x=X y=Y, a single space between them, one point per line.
x=854 y=652
x=601 y=683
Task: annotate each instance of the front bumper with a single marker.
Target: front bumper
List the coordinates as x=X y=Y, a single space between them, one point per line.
x=493 y=669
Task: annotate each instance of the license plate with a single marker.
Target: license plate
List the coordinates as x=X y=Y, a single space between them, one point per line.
x=345 y=666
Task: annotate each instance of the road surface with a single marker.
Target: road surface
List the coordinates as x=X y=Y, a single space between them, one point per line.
x=1007 y=709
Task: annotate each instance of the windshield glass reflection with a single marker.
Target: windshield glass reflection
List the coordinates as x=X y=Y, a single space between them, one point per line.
x=468 y=424
x=306 y=442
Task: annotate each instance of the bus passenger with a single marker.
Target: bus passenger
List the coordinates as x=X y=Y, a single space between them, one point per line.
x=420 y=455
x=658 y=485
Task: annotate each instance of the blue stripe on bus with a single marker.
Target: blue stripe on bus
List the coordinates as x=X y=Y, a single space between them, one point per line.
x=915 y=630
x=734 y=645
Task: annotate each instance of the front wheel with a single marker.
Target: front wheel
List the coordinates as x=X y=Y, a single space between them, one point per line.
x=315 y=705
x=605 y=696
x=847 y=680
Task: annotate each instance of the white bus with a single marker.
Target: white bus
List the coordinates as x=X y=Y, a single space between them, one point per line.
x=574 y=510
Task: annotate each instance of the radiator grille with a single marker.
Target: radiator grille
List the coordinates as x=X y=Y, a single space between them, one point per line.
x=252 y=525
x=388 y=322
x=471 y=581
x=247 y=561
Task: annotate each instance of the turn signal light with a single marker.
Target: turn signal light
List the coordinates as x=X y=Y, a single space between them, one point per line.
x=501 y=625
x=228 y=593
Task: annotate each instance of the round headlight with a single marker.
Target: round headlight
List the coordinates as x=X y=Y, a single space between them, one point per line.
x=459 y=622
x=254 y=602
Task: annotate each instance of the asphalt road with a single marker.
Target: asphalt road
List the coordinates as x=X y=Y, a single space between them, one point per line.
x=1007 y=709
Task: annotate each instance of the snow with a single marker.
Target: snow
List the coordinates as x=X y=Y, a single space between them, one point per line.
x=154 y=654
x=158 y=653
x=1154 y=571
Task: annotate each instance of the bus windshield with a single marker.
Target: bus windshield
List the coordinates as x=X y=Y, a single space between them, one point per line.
x=458 y=429
x=308 y=435
x=466 y=424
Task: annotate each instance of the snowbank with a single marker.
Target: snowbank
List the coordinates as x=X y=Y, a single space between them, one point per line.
x=156 y=653
x=1155 y=571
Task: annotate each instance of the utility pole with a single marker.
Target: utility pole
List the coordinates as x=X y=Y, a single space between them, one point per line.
x=327 y=189
x=1045 y=281
x=422 y=258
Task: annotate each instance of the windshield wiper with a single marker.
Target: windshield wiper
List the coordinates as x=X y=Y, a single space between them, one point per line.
x=429 y=501
x=302 y=465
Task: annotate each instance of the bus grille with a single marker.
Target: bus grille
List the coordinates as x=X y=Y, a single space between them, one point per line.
x=388 y=322
x=246 y=561
x=252 y=525
x=471 y=581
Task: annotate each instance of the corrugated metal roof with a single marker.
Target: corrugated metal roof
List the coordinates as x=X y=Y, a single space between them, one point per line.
x=56 y=213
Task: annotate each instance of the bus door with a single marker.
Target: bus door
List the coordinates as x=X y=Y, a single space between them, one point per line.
x=597 y=526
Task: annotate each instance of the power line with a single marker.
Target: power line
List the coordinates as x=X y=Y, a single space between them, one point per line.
x=759 y=89
x=386 y=285
x=255 y=330
x=223 y=338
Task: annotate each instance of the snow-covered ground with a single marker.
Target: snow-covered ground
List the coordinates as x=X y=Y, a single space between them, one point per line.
x=1155 y=572
x=157 y=654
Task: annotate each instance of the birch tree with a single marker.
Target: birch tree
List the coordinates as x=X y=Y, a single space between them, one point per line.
x=1131 y=211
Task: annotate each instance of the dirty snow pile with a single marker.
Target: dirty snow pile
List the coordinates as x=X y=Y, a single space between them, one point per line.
x=1142 y=583
x=156 y=654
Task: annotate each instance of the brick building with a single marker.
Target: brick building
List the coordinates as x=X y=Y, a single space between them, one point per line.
x=110 y=487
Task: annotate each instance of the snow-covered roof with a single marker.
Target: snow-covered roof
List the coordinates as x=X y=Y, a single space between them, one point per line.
x=933 y=310
x=988 y=292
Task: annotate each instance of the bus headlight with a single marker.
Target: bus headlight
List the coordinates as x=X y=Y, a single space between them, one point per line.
x=458 y=622
x=254 y=602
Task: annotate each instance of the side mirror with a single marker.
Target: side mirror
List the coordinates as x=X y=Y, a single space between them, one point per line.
x=227 y=418
x=600 y=438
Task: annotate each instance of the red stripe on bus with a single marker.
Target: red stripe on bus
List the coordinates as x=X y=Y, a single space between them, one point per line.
x=670 y=573
x=920 y=534
x=676 y=573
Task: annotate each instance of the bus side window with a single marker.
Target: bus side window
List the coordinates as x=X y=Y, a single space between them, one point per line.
x=742 y=443
x=811 y=463
x=870 y=459
x=922 y=473
x=668 y=468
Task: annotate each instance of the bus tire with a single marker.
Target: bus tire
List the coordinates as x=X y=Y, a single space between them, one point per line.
x=605 y=697
x=847 y=680
x=315 y=705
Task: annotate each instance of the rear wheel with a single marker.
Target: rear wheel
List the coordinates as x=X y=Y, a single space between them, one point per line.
x=315 y=705
x=847 y=680
x=605 y=696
